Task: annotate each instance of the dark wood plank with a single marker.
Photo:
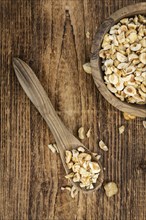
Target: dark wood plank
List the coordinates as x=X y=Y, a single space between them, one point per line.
x=50 y=35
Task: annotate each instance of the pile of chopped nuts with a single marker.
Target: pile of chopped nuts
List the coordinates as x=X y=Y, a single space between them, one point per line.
x=83 y=169
x=123 y=56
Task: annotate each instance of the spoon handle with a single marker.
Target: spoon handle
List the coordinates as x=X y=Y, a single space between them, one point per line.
x=39 y=98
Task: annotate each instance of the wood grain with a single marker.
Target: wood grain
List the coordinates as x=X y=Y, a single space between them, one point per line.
x=50 y=35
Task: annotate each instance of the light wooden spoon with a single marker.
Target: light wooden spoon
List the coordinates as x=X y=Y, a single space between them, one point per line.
x=64 y=139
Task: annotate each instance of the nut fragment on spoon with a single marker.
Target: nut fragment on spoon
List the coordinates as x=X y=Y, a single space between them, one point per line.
x=83 y=170
x=53 y=148
x=123 y=55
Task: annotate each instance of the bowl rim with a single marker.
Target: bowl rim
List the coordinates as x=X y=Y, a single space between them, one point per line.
x=97 y=73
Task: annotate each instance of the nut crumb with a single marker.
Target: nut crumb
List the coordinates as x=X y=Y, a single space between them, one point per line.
x=55 y=146
x=88 y=34
x=98 y=157
x=87 y=68
x=121 y=129
x=81 y=133
x=103 y=146
x=110 y=189
x=62 y=188
x=81 y=149
x=52 y=148
x=144 y=124
x=128 y=117
x=88 y=133
x=66 y=188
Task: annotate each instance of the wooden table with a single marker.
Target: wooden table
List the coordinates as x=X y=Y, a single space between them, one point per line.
x=54 y=37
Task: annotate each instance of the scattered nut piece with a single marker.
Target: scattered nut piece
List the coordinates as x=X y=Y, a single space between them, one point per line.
x=55 y=146
x=128 y=117
x=144 y=124
x=121 y=129
x=74 y=192
x=52 y=148
x=110 y=189
x=81 y=133
x=103 y=146
x=67 y=188
x=87 y=68
x=88 y=34
x=98 y=157
x=88 y=133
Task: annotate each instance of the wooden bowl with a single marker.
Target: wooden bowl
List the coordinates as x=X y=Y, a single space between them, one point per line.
x=97 y=73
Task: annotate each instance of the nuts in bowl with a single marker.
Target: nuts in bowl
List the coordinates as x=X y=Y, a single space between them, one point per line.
x=118 y=59
x=123 y=56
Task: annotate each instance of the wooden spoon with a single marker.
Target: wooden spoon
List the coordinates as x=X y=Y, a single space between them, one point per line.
x=64 y=139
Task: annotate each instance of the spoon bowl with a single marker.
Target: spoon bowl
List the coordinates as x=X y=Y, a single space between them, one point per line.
x=99 y=181
x=64 y=139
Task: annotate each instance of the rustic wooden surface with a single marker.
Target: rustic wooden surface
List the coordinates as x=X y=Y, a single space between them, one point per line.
x=50 y=35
